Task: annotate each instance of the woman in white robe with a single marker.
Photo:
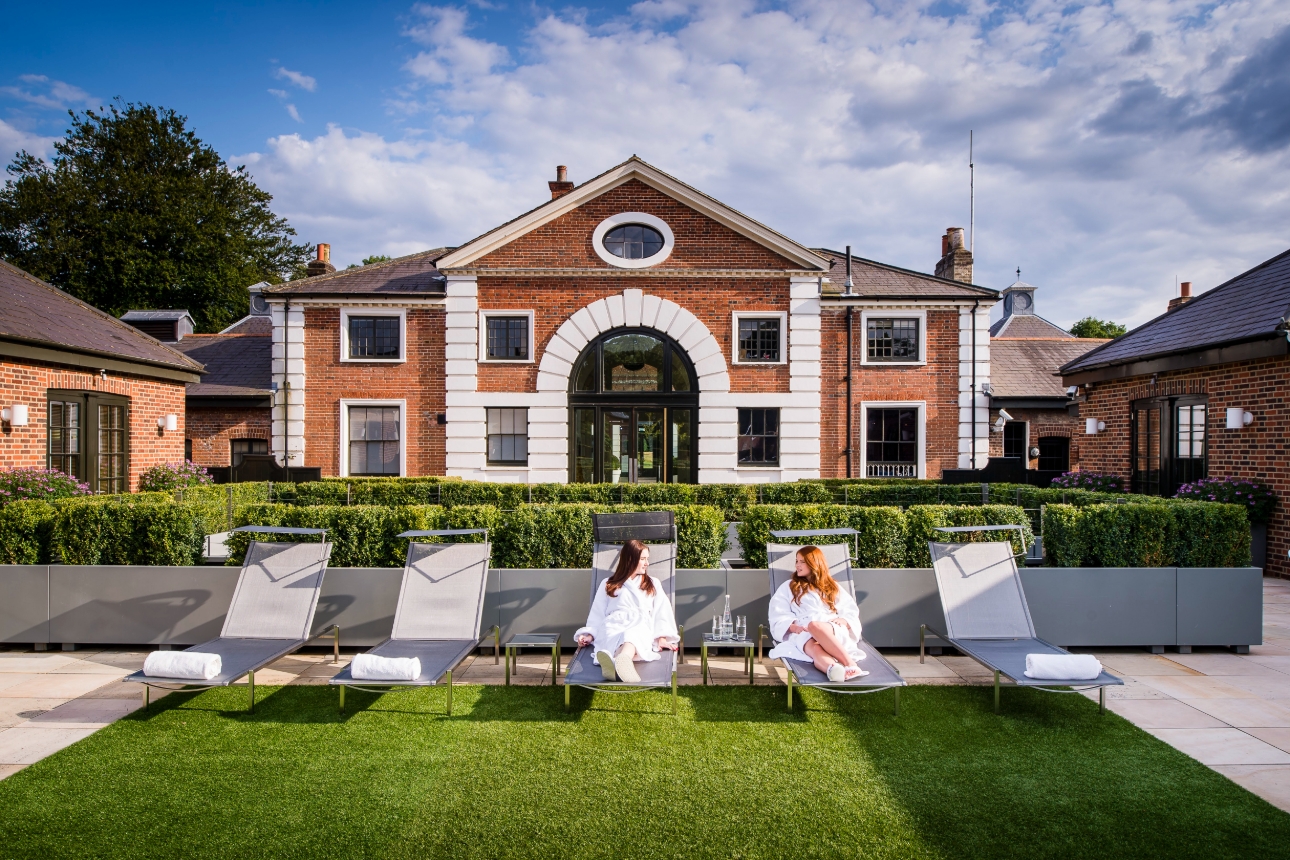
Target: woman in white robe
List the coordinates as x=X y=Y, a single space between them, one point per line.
x=631 y=618
x=816 y=621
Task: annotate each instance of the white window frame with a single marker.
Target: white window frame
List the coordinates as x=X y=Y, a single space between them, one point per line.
x=344 y=432
x=598 y=236
x=346 y=313
x=736 y=316
x=483 y=337
x=898 y=314
x=507 y=465
x=761 y=467
x=866 y=405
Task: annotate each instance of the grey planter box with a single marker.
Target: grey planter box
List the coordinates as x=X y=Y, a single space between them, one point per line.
x=180 y=606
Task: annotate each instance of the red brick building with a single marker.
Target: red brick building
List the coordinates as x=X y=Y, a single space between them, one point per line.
x=632 y=329
x=1200 y=391
x=83 y=392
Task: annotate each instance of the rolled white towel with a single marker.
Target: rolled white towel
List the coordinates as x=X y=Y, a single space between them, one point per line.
x=187 y=665
x=1063 y=667
x=370 y=667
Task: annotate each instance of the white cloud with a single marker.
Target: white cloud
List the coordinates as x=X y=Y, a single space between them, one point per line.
x=305 y=82
x=53 y=95
x=282 y=94
x=1118 y=145
x=293 y=113
x=14 y=139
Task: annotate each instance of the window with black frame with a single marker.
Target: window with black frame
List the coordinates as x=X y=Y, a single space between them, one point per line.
x=65 y=441
x=508 y=436
x=508 y=338
x=759 y=340
x=374 y=337
x=374 y=440
x=1189 y=443
x=892 y=339
x=633 y=242
x=759 y=437
x=891 y=442
x=112 y=475
x=239 y=448
x=1054 y=453
x=88 y=438
x=1014 y=440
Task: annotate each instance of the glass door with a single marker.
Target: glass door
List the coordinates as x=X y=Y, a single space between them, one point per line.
x=680 y=451
x=650 y=452
x=616 y=437
x=1146 y=448
x=630 y=445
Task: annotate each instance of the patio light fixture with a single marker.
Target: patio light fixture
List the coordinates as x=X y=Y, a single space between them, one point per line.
x=1092 y=426
x=15 y=415
x=168 y=423
x=1238 y=418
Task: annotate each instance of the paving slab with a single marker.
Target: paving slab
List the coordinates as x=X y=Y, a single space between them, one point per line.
x=7 y=770
x=1244 y=713
x=1270 y=782
x=1139 y=665
x=87 y=713
x=27 y=745
x=1222 y=664
x=1161 y=714
x=21 y=662
x=1219 y=746
x=1263 y=686
x=1197 y=687
x=910 y=668
x=53 y=685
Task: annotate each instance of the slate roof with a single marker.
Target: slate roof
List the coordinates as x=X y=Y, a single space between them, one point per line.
x=32 y=311
x=1027 y=367
x=172 y=315
x=256 y=324
x=1251 y=306
x=237 y=365
x=1027 y=325
x=415 y=274
x=872 y=279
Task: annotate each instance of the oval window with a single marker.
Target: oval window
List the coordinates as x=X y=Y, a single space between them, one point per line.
x=633 y=242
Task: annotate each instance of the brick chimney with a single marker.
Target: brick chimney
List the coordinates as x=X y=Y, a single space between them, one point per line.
x=562 y=185
x=322 y=265
x=1184 y=298
x=956 y=261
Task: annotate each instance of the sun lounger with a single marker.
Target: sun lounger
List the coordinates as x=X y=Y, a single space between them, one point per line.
x=986 y=614
x=270 y=614
x=783 y=562
x=441 y=604
x=610 y=530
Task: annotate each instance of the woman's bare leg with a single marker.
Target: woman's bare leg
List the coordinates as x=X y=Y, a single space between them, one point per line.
x=826 y=635
x=821 y=658
x=627 y=650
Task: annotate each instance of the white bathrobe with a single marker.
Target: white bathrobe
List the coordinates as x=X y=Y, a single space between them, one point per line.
x=631 y=616
x=784 y=612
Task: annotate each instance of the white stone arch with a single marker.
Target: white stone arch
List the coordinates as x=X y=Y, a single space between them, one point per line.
x=631 y=309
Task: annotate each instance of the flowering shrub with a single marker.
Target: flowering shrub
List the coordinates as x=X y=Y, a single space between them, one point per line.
x=168 y=476
x=1257 y=498
x=1090 y=481
x=19 y=484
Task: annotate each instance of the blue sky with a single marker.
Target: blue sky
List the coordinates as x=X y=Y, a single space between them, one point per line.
x=1121 y=146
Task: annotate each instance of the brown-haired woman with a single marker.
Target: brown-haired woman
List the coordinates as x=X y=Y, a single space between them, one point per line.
x=631 y=618
x=816 y=621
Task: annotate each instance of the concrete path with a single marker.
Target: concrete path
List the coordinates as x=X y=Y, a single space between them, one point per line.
x=1229 y=712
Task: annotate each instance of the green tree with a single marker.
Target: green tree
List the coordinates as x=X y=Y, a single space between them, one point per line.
x=136 y=212
x=376 y=258
x=1094 y=327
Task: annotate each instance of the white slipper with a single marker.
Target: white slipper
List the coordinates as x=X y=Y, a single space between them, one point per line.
x=837 y=673
x=626 y=671
x=855 y=672
x=606 y=665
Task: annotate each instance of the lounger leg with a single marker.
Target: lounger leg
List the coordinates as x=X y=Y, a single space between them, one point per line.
x=790 y=689
x=335 y=644
x=342 y=698
x=680 y=645
x=450 y=692
x=1101 y=700
x=566 y=694
x=896 y=711
x=497 y=643
x=761 y=633
x=509 y=650
x=555 y=663
x=674 y=692
x=922 y=639
x=703 y=663
x=145 y=697
x=251 y=675
x=751 y=666
x=996 y=691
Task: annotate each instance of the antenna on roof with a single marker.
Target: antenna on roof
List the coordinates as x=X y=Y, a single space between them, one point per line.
x=971 y=197
x=849 y=283
x=1018 y=273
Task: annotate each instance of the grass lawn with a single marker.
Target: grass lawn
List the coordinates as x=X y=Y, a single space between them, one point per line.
x=510 y=774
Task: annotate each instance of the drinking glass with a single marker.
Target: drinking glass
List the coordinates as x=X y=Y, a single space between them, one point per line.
x=716 y=627
x=741 y=628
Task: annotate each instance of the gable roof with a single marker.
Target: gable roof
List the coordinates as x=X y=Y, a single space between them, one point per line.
x=413 y=275
x=44 y=319
x=633 y=168
x=237 y=365
x=1253 y=306
x=1027 y=325
x=872 y=279
x=1027 y=367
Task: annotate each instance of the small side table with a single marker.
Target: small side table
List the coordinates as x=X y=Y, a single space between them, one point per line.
x=532 y=640
x=710 y=642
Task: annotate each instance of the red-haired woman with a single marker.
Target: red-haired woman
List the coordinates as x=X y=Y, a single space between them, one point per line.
x=816 y=621
x=631 y=618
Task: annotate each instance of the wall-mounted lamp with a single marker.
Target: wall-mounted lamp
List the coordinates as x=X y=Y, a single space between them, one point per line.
x=1238 y=418
x=15 y=415
x=1092 y=426
x=1034 y=452
x=168 y=423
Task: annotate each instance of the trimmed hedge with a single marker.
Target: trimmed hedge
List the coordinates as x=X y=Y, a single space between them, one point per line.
x=25 y=527
x=92 y=531
x=1164 y=533
x=532 y=536
x=923 y=520
x=882 y=541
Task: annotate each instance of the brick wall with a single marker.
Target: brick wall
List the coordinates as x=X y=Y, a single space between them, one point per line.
x=211 y=431
x=1043 y=422
x=29 y=383
x=712 y=300
x=419 y=381
x=936 y=383
x=1258 y=452
x=701 y=243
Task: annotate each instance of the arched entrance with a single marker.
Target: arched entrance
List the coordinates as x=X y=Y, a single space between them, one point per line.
x=634 y=410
